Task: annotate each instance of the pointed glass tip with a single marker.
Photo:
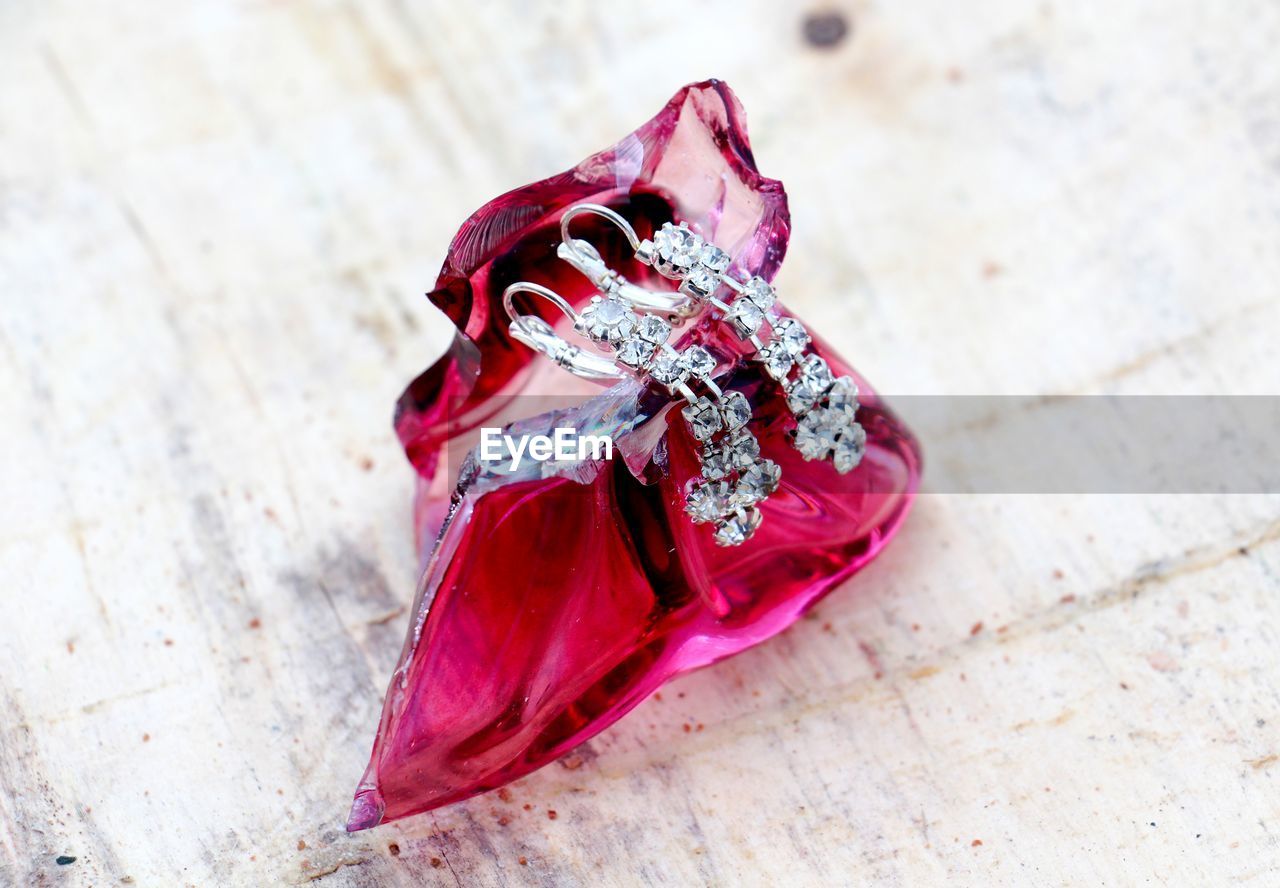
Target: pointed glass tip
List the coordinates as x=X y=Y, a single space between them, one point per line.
x=366 y=811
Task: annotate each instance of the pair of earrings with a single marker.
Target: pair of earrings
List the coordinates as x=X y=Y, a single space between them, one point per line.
x=627 y=322
x=825 y=406
x=735 y=478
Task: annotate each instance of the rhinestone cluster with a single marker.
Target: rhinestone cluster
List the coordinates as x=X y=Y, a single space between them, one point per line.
x=825 y=407
x=734 y=476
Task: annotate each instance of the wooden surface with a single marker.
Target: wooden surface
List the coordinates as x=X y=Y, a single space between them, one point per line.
x=216 y=221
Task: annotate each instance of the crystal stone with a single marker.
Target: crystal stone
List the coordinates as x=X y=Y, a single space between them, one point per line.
x=698 y=361
x=715 y=462
x=759 y=291
x=816 y=374
x=677 y=247
x=668 y=369
x=843 y=396
x=791 y=334
x=801 y=396
x=701 y=283
x=609 y=321
x=850 y=447
x=745 y=316
x=757 y=482
x=703 y=418
x=714 y=258
x=736 y=410
x=777 y=361
x=741 y=449
x=654 y=329
x=708 y=501
x=737 y=528
x=635 y=352
x=817 y=432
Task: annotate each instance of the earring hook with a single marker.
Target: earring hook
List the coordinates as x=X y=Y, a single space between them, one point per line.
x=536 y=333
x=586 y=259
x=597 y=210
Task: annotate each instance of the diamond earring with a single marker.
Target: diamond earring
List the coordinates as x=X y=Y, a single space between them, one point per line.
x=734 y=477
x=825 y=407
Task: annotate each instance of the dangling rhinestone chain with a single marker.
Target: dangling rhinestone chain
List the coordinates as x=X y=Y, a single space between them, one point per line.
x=825 y=407
x=735 y=478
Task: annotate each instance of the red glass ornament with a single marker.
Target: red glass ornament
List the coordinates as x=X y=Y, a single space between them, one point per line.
x=550 y=605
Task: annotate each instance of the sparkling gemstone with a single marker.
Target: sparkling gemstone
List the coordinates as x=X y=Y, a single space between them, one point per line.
x=817 y=432
x=759 y=291
x=609 y=321
x=777 y=361
x=791 y=335
x=701 y=282
x=757 y=482
x=609 y=311
x=668 y=369
x=816 y=374
x=714 y=258
x=741 y=449
x=708 y=501
x=703 y=418
x=590 y=607
x=654 y=329
x=736 y=410
x=843 y=396
x=678 y=246
x=850 y=447
x=715 y=462
x=698 y=361
x=745 y=316
x=801 y=396
x=737 y=528
x=635 y=352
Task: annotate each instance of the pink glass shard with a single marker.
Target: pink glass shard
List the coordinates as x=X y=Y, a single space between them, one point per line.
x=551 y=604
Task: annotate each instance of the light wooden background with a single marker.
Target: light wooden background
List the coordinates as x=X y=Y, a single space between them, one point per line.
x=216 y=221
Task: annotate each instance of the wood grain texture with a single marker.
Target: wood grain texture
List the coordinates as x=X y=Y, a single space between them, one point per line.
x=216 y=221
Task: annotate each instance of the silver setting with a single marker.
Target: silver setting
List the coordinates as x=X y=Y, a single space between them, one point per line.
x=703 y=418
x=777 y=361
x=668 y=369
x=733 y=479
x=843 y=396
x=824 y=407
x=735 y=410
x=701 y=283
x=676 y=250
x=709 y=501
x=608 y=321
x=816 y=433
x=741 y=450
x=757 y=482
x=715 y=462
x=737 y=528
x=761 y=292
x=586 y=259
x=850 y=447
x=639 y=347
x=746 y=317
x=801 y=397
x=791 y=335
x=698 y=360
